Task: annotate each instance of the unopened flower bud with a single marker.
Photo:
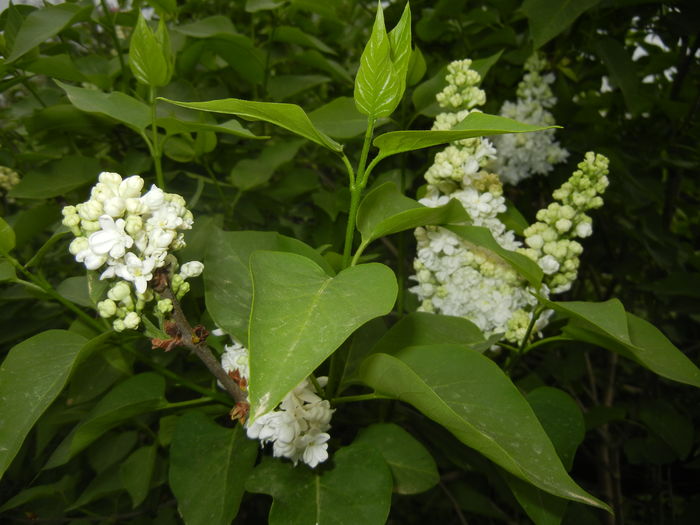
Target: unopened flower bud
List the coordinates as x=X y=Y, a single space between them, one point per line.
x=119 y=291
x=106 y=308
x=78 y=245
x=164 y=306
x=191 y=269
x=132 y=320
x=118 y=325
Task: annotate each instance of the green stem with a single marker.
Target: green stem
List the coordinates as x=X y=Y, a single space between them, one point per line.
x=358 y=253
x=542 y=342
x=156 y=153
x=191 y=402
x=535 y=315
x=317 y=386
x=48 y=289
x=348 y=166
x=360 y=397
x=356 y=193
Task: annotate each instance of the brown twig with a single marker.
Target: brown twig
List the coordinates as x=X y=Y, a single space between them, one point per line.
x=194 y=339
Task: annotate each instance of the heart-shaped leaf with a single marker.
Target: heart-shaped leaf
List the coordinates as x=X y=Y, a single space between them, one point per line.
x=470 y=395
x=227 y=281
x=300 y=316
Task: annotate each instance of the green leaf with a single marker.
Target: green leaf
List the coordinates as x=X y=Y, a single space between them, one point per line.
x=423 y=96
x=339 y=119
x=483 y=65
x=356 y=489
x=470 y=395
x=227 y=282
x=58 y=178
x=422 y=328
x=251 y=173
x=316 y=60
x=622 y=71
x=212 y=26
x=480 y=236
x=294 y=35
x=7 y=271
x=288 y=116
x=56 y=66
x=385 y=210
x=561 y=418
x=300 y=316
x=412 y=467
x=116 y=105
x=665 y=421
x=136 y=473
x=378 y=86
x=547 y=20
x=208 y=468
x=281 y=87
x=178 y=124
x=104 y=484
x=474 y=125
x=31 y=376
x=137 y=395
x=416 y=67
x=609 y=326
x=75 y=289
x=43 y=24
x=400 y=41
x=7 y=237
x=541 y=507
x=60 y=487
x=150 y=56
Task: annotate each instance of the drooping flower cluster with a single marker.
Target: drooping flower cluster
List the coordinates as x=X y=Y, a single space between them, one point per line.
x=455 y=277
x=521 y=155
x=550 y=241
x=9 y=178
x=129 y=236
x=297 y=428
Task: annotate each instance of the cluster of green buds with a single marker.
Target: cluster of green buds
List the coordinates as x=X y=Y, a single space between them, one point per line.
x=550 y=241
x=9 y=178
x=462 y=91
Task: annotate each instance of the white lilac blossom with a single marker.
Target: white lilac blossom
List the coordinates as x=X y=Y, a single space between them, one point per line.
x=298 y=427
x=551 y=240
x=457 y=278
x=127 y=234
x=521 y=155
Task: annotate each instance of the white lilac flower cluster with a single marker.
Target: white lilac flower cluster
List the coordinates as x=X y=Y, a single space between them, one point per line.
x=457 y=278
x=521 y=155
x=550 y=241
x=129 y=235
x=297 y=427
x=9 y=178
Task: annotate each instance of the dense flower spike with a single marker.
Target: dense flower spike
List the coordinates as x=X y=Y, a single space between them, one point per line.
x=521 y=155
x=550 y=241
x=297 y=427
x=456 y=278
x=129 y=235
